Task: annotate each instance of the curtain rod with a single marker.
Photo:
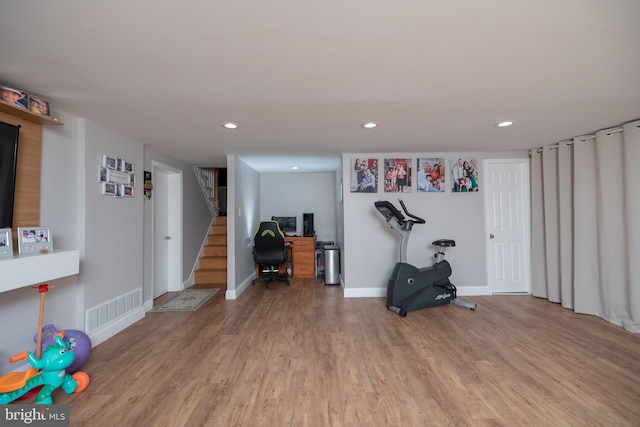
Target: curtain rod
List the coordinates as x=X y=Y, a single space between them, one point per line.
x=584 y=138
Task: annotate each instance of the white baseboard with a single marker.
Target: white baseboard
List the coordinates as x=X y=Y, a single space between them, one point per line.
x=365 y=292
x=472 y=291
x=382 y=292
x=235 y=293
x=102 y=334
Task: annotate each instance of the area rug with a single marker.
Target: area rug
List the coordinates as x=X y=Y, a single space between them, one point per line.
x=187 y=300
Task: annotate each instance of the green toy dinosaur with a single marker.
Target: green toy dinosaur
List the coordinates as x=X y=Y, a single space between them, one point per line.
x=55 y=359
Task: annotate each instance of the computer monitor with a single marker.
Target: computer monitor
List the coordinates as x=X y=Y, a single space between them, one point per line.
x=288 y=224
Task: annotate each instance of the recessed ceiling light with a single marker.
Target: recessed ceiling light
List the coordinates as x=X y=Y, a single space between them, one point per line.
x=230 y=125
x=504 y=124
x=295 y=168
x=369 y=125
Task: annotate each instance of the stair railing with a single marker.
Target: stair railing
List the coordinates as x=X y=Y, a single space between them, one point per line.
x=206 y=177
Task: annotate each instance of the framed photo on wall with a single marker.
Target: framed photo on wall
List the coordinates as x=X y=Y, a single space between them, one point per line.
x=464 y=175
x=397 y=175
x=364 y=175
x=6 y=243
x=431 y=176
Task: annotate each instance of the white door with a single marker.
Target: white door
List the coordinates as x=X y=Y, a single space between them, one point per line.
x=508 y=223
x=167 y=229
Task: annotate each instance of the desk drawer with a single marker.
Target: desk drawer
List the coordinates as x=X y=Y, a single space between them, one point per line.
x=304 y=271
x=304 y=245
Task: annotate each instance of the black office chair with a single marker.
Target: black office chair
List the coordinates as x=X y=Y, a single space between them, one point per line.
x=270 y=251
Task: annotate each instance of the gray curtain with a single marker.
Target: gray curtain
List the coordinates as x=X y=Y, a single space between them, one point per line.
x=586 y=224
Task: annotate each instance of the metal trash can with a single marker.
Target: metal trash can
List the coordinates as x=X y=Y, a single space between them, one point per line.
x=331 y=265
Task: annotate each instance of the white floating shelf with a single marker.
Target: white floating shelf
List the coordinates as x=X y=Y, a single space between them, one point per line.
x=33 y=269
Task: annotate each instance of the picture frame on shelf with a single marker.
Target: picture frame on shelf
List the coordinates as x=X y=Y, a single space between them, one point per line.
x=6 y=243
x=34 y=240
x=15 y=97
x=39 y=105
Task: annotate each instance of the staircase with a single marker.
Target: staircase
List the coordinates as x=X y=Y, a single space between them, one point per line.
x=206 y=179
x=212 y=266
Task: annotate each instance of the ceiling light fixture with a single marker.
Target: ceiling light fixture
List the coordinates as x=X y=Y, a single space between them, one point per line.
x=295 y=168
x=369 y=125
x=230 y=125
x=504 y=124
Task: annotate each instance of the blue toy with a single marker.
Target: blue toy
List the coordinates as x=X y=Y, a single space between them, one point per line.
x=54 y=361
x=77 y=341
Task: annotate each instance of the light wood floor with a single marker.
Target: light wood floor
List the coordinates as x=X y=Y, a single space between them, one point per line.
x=306 y=356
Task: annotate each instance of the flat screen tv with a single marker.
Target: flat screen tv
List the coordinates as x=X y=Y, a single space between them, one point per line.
x=8 y=160
x=288 y=224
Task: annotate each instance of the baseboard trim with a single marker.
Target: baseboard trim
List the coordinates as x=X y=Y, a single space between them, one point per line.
x=235 y=293
x=382 y=292
x=102 y=334
x=365 y=292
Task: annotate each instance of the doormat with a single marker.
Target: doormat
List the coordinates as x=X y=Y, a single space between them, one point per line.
x=187 y=300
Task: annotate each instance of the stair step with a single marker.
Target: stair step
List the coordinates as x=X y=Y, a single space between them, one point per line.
x=210 y=276
x=213 y=262
x=215 y=250
x=218 y=229
x=217 y=239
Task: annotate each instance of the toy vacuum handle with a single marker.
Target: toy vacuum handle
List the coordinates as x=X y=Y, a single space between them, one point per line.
x=19 y=356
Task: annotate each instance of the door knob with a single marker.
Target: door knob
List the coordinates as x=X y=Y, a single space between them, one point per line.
x=167 y=237
x=491 y=236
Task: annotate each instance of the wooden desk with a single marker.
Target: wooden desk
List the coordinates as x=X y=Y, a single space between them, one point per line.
x=303 y=254
x=303 y=257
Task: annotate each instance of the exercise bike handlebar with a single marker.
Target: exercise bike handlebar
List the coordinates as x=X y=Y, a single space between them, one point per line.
x=416 y=218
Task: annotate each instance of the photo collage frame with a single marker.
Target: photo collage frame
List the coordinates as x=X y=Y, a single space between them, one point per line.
x=116 y=177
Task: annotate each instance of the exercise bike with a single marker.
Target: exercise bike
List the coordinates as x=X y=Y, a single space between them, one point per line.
x=412 y=288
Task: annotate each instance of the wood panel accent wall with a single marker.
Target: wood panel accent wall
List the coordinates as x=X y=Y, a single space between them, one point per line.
x=26 y=211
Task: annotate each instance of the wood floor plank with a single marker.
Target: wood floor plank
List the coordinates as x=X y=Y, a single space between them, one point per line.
x=305 y=356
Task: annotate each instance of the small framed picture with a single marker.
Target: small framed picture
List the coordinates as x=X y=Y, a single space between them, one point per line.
x=109 y=188
x=127 y=191
x=119 y=191
x=102 y=174
x=39 y=105
x=119 y=164
x=108 y=162
x=34 y=239
x=132 y=180
x=6 y=243
x=127 y=167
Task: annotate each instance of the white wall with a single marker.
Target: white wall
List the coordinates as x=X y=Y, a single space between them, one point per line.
x=371 y=247
x=243 y=210
x=292 y=194
x=107 y=232
x=113 y=227
x=196 y=219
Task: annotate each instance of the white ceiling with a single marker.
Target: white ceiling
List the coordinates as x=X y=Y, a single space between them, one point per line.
x=300 y=77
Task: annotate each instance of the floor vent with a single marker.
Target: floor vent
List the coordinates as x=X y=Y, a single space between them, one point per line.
x=109 y=311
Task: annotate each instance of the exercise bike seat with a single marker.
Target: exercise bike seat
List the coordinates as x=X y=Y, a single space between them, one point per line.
x=444 y=243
